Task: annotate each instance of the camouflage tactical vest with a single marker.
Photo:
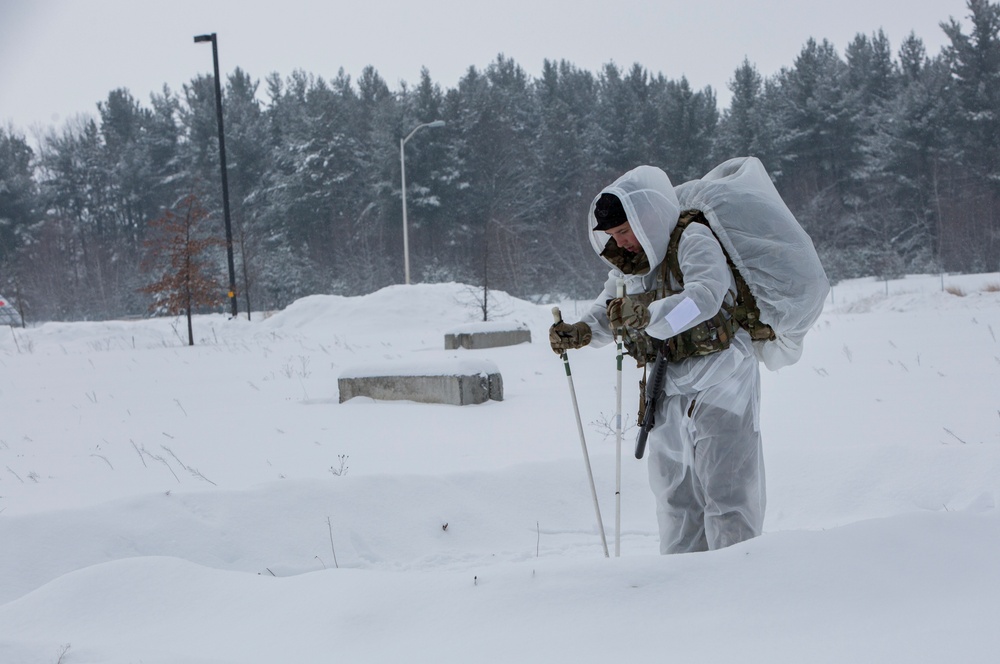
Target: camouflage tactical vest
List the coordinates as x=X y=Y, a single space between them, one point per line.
x=705 y=338
x=745 y=312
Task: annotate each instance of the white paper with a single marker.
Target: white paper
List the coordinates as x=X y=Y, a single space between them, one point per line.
x=682 y=314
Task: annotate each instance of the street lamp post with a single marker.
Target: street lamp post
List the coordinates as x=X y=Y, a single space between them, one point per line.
x=402 y=170
x=222 y=160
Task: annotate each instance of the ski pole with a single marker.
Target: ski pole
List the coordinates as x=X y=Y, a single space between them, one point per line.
x=583 y=441
x=618 y=440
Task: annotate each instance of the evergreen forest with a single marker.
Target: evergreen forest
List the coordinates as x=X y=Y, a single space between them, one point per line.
x=888 y=155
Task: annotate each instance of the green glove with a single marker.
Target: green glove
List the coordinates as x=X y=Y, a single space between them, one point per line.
x=563 y=336
x=626 y=312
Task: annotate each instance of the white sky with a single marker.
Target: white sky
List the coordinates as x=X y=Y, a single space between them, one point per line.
x=59 y=57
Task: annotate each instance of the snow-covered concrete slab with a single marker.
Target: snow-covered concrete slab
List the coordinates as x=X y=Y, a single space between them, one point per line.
x=488 y=334
x=452 y=381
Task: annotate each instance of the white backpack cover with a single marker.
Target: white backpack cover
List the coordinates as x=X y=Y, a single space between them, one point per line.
x=770 y=249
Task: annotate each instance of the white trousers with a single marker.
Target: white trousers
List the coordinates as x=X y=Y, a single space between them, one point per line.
x=706 y=465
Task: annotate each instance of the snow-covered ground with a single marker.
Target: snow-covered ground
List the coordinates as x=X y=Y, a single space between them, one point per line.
x=168 y=504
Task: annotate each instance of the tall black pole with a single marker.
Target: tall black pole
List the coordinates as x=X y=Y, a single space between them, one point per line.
x=222 y=161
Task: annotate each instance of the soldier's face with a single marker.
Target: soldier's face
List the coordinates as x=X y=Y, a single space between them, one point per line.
x=625 y=238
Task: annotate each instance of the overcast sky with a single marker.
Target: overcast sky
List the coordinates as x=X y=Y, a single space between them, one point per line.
x=59 y=58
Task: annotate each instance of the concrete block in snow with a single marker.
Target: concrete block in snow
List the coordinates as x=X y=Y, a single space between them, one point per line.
x=451 y=381
x=489 y=334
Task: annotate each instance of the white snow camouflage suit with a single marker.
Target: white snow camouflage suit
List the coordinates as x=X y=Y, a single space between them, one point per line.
x=706 y=465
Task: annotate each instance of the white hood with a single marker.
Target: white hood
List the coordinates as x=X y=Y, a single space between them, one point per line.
x=651 y=207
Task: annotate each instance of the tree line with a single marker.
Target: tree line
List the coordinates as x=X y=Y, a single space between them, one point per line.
x=889 y=158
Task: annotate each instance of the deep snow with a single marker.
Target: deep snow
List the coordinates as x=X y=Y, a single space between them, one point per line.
x=162 y=503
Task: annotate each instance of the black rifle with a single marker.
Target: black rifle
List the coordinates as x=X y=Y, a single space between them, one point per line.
x=648 y=415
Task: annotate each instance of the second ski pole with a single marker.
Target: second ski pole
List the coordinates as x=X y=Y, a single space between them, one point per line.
x=618 y=438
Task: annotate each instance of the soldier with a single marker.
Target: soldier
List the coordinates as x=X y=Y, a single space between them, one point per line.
x=706 y=466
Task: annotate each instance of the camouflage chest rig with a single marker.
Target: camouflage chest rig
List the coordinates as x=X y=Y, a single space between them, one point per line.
x=744 y=312
x=710 y=336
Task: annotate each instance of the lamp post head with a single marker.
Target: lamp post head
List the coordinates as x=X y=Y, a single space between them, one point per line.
x=436 y=123
x=204 y=38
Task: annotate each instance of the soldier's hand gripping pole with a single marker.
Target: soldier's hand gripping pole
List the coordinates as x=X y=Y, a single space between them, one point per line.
x=652 y=397
x=583 y=441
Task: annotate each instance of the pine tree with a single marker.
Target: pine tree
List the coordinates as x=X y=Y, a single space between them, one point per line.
x=619 y=110
x=567 y=142
x=974 y=61
x=686 y=129
x=131 y=195
x=739 y=128
x=75 y=187
x=815 y=129
x=431 y=181
x=18 y=193
x=247 y=161
x=500 y=199
x=910 y=153
x=872 y=79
